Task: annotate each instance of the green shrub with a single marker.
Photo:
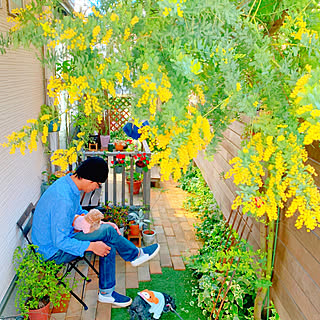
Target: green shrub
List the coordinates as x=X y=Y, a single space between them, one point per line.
x=242 y=264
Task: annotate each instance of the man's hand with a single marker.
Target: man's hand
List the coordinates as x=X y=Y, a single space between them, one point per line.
x=112 y=225
x=99 y=248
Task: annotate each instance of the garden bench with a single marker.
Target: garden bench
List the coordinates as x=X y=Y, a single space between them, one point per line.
x=25 y=225
x=155 y=176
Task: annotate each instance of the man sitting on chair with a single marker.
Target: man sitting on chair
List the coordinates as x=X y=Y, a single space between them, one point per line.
x=53 y=233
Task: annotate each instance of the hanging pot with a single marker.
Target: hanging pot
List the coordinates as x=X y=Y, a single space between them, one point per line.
x=40 y=314
x=140 y=166
x=139 y=169
x=118 y=169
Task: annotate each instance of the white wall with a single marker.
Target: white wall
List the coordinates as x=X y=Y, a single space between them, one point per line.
x=21 y=95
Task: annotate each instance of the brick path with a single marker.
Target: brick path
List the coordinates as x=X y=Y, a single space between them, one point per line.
x=175 y=233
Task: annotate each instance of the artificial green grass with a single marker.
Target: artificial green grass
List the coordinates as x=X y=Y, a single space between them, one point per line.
x=177 y=284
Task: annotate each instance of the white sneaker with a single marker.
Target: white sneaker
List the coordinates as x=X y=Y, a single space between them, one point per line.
x=115 y=299
x=146 y=254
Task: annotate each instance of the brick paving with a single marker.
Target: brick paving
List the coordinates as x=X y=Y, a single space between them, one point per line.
x=175 y=233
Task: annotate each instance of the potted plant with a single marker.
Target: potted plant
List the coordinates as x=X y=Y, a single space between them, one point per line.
x=142 y=161
x=138 y=218
x=134 y=229
x=137 y=180
x=119 y=139
x=119 y=145
x=148 y=235
x=117 y=215
x=119 y=163
x=37 y=283
x=104 y=136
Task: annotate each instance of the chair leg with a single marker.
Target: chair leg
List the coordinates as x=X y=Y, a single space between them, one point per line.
x=81 y=274
x=91 y=265
x=85 y=307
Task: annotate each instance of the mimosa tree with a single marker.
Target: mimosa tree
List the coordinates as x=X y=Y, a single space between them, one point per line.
x=192 y=67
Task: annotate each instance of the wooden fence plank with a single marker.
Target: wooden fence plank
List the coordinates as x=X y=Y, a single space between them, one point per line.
x=290 y=306
x=230 y=148
x=232 y=136
x=284 y=315
x=300 y=252
x=309 y=240
x=237 y=127
x=284 y=259
x=298 y=295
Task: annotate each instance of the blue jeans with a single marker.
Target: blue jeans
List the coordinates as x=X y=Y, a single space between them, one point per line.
x=107 y=265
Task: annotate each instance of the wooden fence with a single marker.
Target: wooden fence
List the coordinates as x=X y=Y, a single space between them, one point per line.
x=296 y=278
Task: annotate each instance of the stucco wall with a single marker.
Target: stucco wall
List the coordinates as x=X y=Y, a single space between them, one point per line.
x=21 y=95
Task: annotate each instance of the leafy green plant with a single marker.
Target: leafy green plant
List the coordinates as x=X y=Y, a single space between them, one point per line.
x=116 y=214
x=37 y=282
x=190 y=179
x=136 y=176
x=220 y=259
x=139 y=218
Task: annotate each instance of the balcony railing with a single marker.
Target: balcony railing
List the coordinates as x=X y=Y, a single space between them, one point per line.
x=113 y=184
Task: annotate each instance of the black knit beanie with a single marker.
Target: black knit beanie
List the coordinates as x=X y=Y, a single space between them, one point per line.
x=94 y=169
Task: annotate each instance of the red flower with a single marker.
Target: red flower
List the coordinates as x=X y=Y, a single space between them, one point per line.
x=120 y=156
x=112 y=162
x=258 y=201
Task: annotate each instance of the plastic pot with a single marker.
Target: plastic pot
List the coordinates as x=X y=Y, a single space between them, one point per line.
x=104 y=141
x=118 y=169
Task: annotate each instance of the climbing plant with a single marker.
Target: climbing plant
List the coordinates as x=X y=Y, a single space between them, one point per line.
x=192 y=67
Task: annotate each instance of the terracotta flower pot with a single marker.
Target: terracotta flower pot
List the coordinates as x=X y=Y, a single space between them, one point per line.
x=136 y=186
x=134 y=229
x=119 y=146
x=64 y=303
x=40 y=314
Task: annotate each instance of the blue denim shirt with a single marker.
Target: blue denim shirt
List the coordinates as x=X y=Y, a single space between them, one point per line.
x=52 y=228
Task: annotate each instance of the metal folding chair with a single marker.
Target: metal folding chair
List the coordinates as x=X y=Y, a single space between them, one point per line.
x=25 y=225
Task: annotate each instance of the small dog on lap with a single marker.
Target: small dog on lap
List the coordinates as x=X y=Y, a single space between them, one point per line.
x=149 y=305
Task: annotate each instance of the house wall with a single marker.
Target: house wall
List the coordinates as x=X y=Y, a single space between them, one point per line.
x=296 y=279
x=21 y=95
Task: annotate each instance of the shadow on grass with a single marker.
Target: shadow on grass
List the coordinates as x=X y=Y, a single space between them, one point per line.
x=177 y=284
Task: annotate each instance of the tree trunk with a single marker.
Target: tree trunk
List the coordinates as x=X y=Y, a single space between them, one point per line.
x=267 y=272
